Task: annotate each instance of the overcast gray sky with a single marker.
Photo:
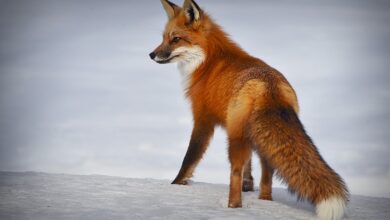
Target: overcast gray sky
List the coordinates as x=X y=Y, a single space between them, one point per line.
x=78 y=93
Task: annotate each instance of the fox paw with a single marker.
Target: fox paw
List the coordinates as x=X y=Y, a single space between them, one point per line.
x=180 y=182
x=265 y=197
x=235 y=204
x=247 y=185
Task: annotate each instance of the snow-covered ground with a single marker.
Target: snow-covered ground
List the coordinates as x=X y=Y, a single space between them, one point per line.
x=43 y=196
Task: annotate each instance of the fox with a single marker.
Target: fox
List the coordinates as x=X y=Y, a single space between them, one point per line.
x=257 y=107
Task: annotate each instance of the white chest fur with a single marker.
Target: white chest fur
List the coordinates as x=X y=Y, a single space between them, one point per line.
x=189 y=60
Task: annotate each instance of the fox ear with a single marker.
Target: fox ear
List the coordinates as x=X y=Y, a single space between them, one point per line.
x=192 y=11
x=170 y=8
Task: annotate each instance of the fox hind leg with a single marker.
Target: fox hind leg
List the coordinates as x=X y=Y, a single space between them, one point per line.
x=266 y=180
x=247 y=183
x=239 y=154
x=240 y=146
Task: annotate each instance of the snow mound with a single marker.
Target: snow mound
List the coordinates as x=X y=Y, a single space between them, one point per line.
x=60 y=196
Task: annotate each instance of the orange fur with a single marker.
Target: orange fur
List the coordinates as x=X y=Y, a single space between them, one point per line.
x=256 y=105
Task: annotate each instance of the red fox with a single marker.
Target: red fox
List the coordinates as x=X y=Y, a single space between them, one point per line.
x=254 y=103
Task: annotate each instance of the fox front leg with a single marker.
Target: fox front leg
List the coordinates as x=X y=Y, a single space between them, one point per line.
x=200 y=138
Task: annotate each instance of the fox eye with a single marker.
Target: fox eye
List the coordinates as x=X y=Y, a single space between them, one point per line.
x=176 y=39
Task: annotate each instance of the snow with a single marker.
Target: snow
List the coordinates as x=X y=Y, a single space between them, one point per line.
x=32 y=195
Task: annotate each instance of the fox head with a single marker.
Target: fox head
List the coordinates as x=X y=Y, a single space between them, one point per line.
x=184 y=37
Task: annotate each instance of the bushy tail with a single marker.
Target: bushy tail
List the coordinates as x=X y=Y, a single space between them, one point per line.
x=282 y=140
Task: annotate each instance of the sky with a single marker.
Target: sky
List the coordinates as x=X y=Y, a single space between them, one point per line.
x=79 y=94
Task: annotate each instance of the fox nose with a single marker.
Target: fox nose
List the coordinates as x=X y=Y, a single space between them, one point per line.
x=152 y=55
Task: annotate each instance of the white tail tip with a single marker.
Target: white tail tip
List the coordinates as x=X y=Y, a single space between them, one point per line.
x=331 y=209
